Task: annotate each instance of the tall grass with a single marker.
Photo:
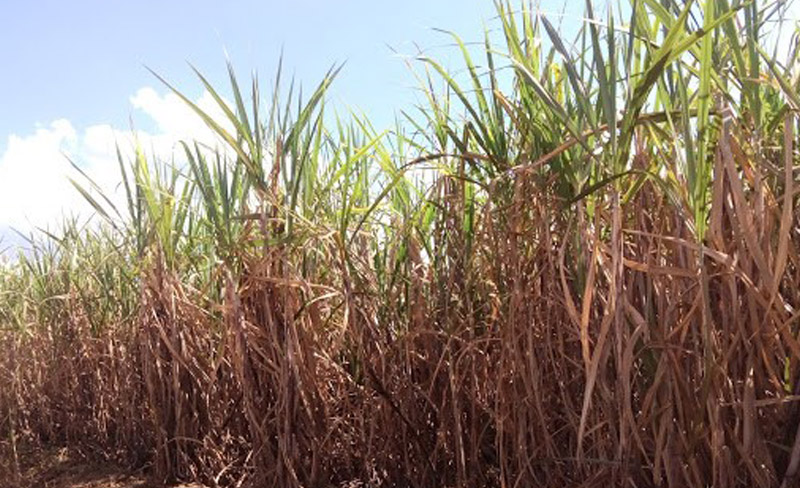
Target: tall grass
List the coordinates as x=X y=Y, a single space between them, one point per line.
x=590 y=276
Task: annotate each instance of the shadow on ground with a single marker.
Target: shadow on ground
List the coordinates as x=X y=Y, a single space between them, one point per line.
x=59 y=468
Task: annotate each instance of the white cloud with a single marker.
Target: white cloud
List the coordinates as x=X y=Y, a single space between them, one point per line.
x=35 y=190
x=174 y=118
x=33 y=175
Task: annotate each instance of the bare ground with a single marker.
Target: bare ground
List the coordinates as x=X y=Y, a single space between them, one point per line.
x=60 y=468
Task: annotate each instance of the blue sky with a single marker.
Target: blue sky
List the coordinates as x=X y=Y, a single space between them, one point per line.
x=83 y=59
x=75 y=78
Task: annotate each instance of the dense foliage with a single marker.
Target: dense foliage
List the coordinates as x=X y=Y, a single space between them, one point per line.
x=575 y=264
